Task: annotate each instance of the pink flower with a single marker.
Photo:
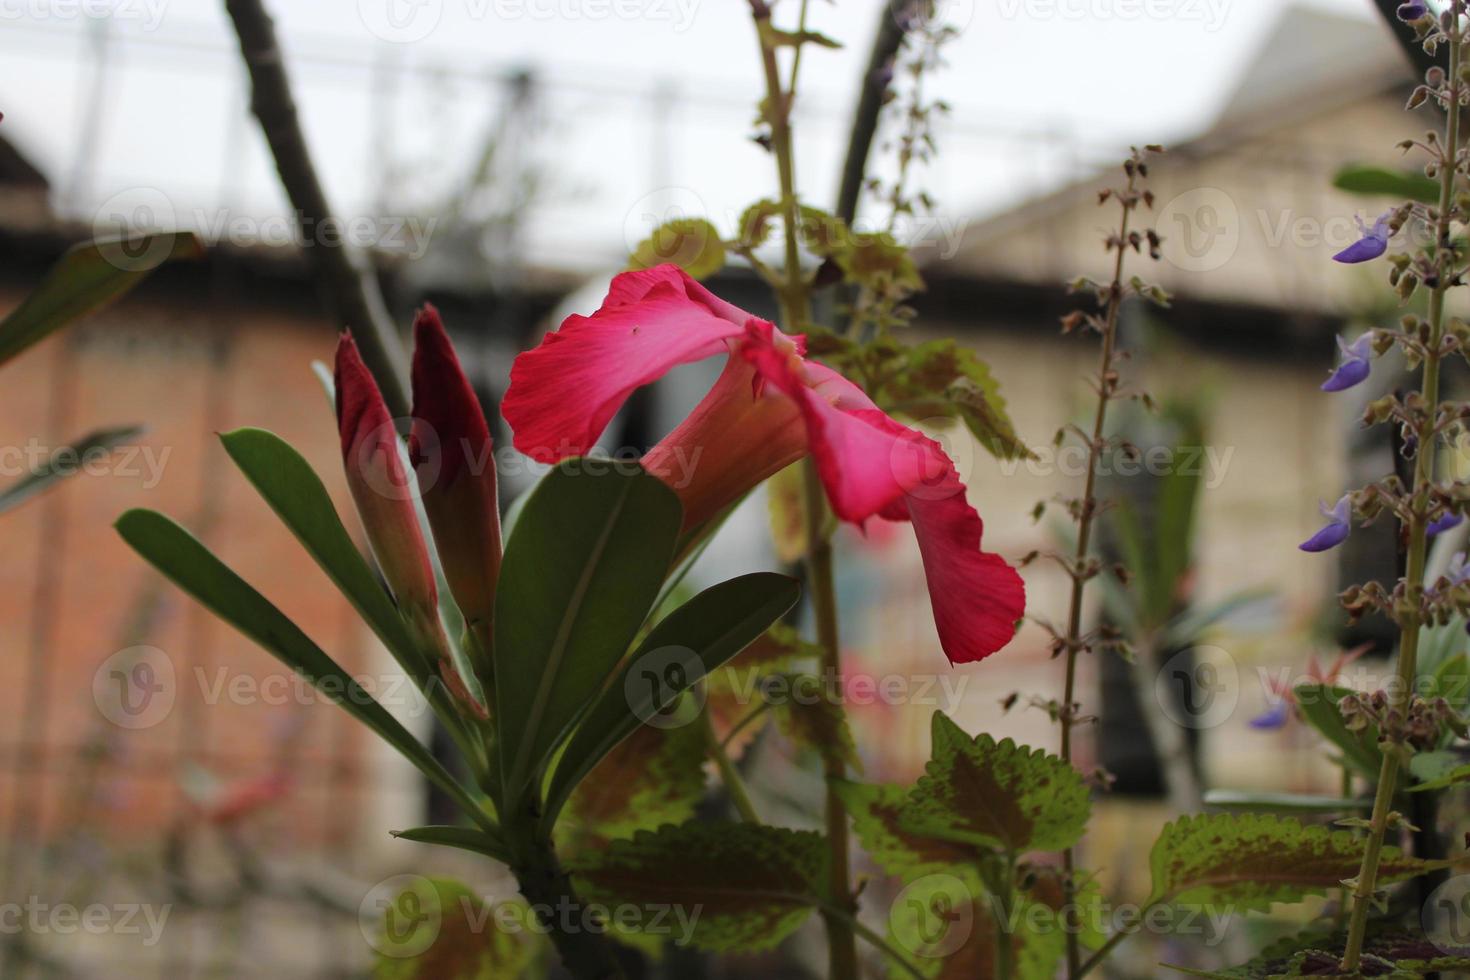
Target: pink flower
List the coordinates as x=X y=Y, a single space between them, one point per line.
x=769 y=408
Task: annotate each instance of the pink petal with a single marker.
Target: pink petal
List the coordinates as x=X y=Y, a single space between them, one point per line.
x=977 y=597
x=563 y=394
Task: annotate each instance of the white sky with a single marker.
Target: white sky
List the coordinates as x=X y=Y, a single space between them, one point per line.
x=1040 y=88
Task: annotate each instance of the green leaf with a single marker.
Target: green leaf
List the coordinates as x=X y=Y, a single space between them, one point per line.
x=88 y=277
x=693 y=244
x=1382 y=182
x=469 y=839
x=939 y=378
x=817 y=723
x=580 y=573
x=1283 y=802
x=1387 y=952
x=440 y=929
x=952 y=932
x=1251 y=861
x=996 y=794
x=687 y=645
x=288 y=483
x=875 y=810
x=64 y=462
x=751 y=885
x=190 y=565
x=1318 y=705
x=1441 y=777
x=775 y=37
x=654 y=777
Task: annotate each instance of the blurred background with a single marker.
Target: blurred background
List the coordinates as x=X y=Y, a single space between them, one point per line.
x=501 y=159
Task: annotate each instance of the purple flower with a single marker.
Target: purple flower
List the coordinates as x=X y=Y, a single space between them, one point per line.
x=1456 y=571
x=1339 y=523
x=1273 y=717
x=1410 y=12
x=1449 y=520
x=1373 y=243
x=1355 y=364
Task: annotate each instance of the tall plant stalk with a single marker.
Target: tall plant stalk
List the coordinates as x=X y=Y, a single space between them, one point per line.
x=1410 y=611
x=1082 y=567
x=794 y=298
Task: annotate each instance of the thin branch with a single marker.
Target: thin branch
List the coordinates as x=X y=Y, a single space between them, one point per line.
x=352 y=291
x=886 y=43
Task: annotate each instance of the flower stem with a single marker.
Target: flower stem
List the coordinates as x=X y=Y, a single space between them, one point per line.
x=729 y=775
x=795 y=304
x=1074 y=644
x=1412 y=619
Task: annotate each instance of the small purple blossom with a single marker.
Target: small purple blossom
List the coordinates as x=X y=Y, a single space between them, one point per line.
x=1456 y=572
x=1339 y=524
x=1273 y=718
x=1373 y=243
x=1355 y=365
x=1410 y=12
x=1449 y=520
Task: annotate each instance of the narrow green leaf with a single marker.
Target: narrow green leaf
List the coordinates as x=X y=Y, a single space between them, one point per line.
x=580 y=573
x=996 y=794
x=470 y=839
x=89 y=276
x=1285 y=802
x=686 y=646
x=185 y=561
x=287 y=482
x=62 y=463
x=1254 y=860
x=1382 y=182
x=739 y=887
x=1444 y=779
x=1318 y=705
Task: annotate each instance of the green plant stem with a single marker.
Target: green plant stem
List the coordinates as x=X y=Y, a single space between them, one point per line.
x=729 y=775
x=1079 y=580
x=1412 y=619
x=795 y=306
x=586 y=954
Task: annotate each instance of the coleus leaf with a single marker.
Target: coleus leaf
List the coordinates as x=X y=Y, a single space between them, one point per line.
x=749 y=885
x=818 y=724
x=996 y=794
x=786 y=504
x=1254 y=860
x=693 y=244
x=581 y=571
x=682 y=649
x=439 y=929
x=875 y=810
x=86 y=278
x=62 y=464
x=654 y=777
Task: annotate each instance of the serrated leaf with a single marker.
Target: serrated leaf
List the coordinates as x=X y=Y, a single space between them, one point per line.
x=86 y=278
x=1254 y=860
x=654 y=777
x=952 y=932
x=1318 y=705
x=756 y=223
x=192 y=567
x=1382 y=182
x=785 y=501
x=749 y=885
x=996 y=794
x=687 y=645
x=875 y=810
x=439 y=929
x=580 y=574
x=818 y=724
x=63 y=463
x=693 y=244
